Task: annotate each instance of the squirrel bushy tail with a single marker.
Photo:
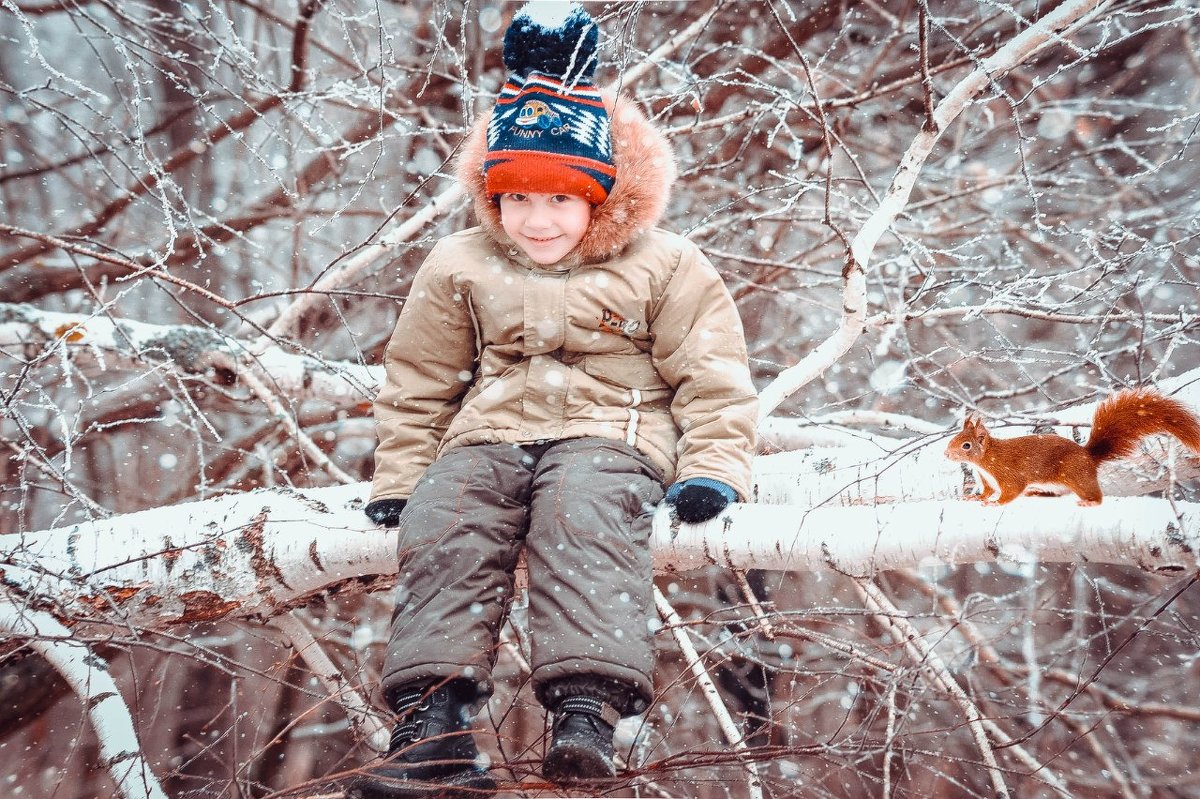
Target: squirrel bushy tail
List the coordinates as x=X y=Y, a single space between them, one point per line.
x=1127 y=417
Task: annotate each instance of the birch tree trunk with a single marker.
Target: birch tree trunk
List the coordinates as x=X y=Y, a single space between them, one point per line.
x=262 y=553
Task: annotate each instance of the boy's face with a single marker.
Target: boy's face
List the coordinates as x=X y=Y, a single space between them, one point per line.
x=545 y=226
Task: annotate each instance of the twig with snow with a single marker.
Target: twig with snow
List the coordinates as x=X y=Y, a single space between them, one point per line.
x=276 y=406
x=709 y=689
x=889 y=738
x=905 y=634
x=652 y=61
x=1086 y=732
x=364 y=720
x=285 y=323
x=988 y=654
x=760 y=616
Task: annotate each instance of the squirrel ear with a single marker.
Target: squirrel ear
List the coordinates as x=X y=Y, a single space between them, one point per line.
x=972 y=421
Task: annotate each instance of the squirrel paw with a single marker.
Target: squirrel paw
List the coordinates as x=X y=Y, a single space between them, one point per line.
x=1088 y=503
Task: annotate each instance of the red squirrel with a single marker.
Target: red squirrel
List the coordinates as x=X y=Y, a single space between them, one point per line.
x=1008 y=466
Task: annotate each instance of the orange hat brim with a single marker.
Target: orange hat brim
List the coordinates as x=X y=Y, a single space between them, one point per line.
x=520 y=172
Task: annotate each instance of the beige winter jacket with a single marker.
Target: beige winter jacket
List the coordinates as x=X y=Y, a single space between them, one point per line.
x=633 y=337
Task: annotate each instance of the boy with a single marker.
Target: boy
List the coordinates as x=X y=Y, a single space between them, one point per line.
x=549 y=372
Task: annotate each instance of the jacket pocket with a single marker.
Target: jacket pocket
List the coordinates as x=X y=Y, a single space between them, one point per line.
x=642 y=388
x=626 y=371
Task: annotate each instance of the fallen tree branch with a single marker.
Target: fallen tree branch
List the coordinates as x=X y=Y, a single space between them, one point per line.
x=364 y=720
x=888 y=616
x=709 y=689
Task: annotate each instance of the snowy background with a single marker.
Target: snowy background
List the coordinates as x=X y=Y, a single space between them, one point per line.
x=211 y=211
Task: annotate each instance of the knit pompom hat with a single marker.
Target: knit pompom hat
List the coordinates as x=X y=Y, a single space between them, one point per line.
x=549 y=132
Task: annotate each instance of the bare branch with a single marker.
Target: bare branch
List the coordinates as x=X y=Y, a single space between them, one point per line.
x=1021 y=47
x=89 y=678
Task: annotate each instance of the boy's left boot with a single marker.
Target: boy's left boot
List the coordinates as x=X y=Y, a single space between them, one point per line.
x=432 y=753
x=581 y=741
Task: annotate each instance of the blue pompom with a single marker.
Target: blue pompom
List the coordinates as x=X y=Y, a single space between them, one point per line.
x=554 y=38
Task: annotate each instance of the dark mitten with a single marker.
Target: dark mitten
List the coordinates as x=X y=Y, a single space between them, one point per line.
x=386 y=511
x=699 y=499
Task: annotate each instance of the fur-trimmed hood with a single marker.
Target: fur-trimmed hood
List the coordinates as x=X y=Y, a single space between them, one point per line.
x=645 y=172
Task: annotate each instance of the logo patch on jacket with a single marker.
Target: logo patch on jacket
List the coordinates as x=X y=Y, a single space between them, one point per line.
x=613 y=322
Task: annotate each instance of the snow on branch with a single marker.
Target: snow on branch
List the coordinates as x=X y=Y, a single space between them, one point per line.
x=89 y=678
x=880 y=472
x=350 y=269
x=122 y=343
x=263 y=552
x=854 y=468
x=1150 y=534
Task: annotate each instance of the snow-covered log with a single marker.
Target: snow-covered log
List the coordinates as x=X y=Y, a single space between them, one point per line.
x=259 y=553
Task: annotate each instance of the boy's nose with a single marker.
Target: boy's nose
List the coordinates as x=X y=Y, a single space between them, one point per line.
x=538 y=216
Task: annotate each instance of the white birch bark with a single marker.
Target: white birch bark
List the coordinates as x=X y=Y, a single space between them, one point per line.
x=260 y=553
x=863 y=469
x=858 y=509
x=900 y=471
x=363 y=718
x=89 y=679
x=729 y=728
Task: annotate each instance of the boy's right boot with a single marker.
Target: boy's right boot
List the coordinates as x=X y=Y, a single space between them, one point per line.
x=432 y=753
x=581 y=741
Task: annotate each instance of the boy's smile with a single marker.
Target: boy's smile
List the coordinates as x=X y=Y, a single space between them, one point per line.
x=545 y=226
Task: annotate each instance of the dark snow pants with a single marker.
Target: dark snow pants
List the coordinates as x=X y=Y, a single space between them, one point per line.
x=582 y=508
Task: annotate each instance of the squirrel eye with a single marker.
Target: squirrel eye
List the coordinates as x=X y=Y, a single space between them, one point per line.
x=966 y=445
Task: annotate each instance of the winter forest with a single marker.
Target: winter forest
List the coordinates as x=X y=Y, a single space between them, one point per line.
x=211 y=212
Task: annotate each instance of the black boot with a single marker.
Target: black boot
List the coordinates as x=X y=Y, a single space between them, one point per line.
x=581 y=743
x=432 y=753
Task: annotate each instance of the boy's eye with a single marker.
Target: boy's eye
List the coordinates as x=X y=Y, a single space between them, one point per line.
x=518 y=198
x=560 y=198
